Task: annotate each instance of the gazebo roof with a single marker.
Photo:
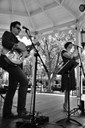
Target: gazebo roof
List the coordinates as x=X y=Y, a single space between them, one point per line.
x=40 y=15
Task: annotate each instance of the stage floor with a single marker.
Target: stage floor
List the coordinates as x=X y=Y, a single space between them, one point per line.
x=48 y=105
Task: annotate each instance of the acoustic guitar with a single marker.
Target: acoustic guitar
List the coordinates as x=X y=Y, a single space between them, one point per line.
x=16 y=57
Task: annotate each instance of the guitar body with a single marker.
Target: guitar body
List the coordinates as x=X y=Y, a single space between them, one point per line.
x=14 y=57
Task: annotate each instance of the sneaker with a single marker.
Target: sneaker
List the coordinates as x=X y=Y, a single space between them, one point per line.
x=9 y=116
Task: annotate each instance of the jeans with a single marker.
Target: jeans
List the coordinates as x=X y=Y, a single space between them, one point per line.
x=16 y=76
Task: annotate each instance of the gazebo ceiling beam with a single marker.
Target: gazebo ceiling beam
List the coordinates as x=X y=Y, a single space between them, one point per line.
x=67 y=24
x=32 y=13
x=61 y=3
x=28 y=13
x=45 y=12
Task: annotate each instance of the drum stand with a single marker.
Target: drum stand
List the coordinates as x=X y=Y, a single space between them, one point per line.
x=68 y=120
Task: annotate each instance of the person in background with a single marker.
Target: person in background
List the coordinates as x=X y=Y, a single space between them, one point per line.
x=67 y=54
x=10 y=42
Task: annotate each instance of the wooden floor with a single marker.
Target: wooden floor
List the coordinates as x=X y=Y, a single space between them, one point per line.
x=48 y=105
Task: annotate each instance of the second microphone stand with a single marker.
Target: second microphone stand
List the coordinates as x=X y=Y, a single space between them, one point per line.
x=36 y=55
x=81 y=104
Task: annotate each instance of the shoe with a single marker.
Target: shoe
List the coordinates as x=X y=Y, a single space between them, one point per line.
x=23 y=114
x=9 y=116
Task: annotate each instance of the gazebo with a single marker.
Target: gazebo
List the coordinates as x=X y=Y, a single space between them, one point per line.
x=45 y=17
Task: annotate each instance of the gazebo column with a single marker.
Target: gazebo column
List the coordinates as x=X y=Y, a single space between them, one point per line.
x=78 y=42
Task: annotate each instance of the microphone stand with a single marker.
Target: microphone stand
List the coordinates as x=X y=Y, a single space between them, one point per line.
x=36 y=54
x=81 y=106
x=30 y=37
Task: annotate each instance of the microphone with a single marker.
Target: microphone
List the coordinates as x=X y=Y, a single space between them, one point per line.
x=25 y=28
x=77 y=46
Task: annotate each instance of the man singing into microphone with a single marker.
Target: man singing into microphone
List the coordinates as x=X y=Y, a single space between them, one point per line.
x=16 y=74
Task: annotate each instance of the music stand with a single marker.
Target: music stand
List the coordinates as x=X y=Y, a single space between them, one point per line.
x=67 y=68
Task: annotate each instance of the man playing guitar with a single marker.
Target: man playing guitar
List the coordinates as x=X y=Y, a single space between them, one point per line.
x=16 y=74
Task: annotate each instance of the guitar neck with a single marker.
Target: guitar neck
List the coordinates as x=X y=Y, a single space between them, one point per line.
x=30 y=47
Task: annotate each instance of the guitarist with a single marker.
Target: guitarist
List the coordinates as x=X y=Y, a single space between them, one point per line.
x=16 y=74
